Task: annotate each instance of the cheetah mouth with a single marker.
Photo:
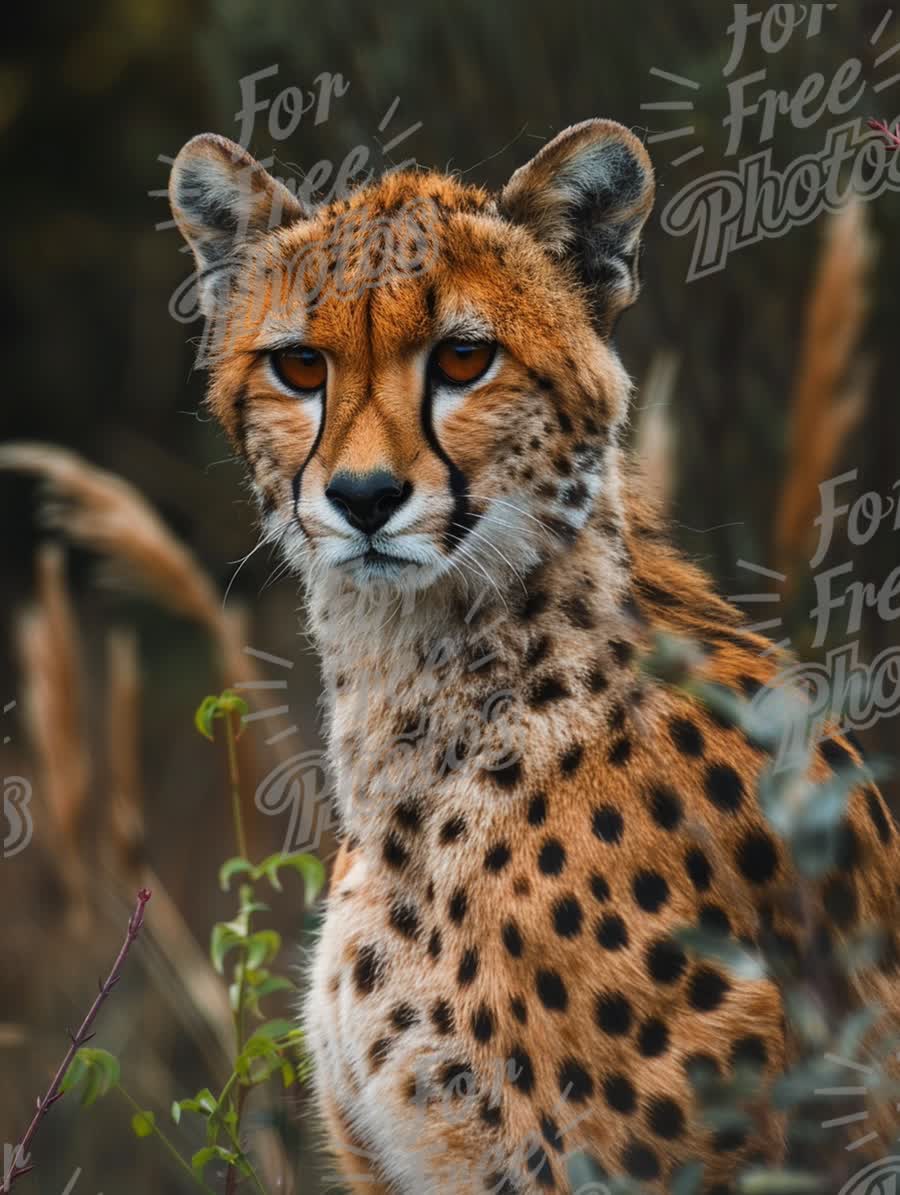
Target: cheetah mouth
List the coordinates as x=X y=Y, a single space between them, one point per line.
x=374 y=559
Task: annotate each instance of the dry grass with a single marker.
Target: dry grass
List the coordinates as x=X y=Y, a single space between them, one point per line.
x=54 y=707
x=829 y=395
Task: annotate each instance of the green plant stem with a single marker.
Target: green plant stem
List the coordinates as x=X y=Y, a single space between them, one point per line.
x=185 y=1166
x=234 y=780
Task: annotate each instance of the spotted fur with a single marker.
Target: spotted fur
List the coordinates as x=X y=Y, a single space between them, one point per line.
x=528 y=817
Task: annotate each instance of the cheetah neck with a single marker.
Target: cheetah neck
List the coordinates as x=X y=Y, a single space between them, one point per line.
x=433 y=704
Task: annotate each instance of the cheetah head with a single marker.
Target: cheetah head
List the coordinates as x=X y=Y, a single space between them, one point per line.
x=420 y=375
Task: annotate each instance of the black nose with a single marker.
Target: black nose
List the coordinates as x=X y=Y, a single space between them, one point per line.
x=367 y=500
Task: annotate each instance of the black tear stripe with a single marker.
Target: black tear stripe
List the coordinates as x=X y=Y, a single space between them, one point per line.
x=297 y=481
x=463 y=518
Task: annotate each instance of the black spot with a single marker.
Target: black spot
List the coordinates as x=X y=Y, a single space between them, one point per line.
x=442 y=1017
x=535 y=604
x=619 y=1094
x=749 y=1051
x=567 y=917
x=724 y=787
x=839 y=897
x=653 y=1038
x=434 y=943
x=521 y=1070
x=409 y=815
x=538 y=1165
x=518 y=1009
x=620 y=752
x=507 y=777
x=612 y=933
x=578 y=611
x=497 y=857
x=575 y=1084
x=468 y=967
x=698 y=869
x=617 y=717
x=613 y=1014
x=551 y=991
x=394 y=852
x=404 y=1016
x=512 y=939
x=551 y=1134
x=404 y=918
x=490 y=1114
x=483 y=1024
x=597 y=681
x=599 y=888
x=537 y=651
x=379 y=1051
x=608 y=824
x=537 y=810
x=366 y=970
x=878 y=816
x=650 y=890
x=714 y=919
x=548 y=690
x=665 y=1118
x=836 y=754
x=571 y=759
x=452 y=830
x=846 y=847
x=757 y=857
x=622 y=651
x=707 y=989
x=686 y=736
x=552 y=857
x=457 y=905
x=665 y=960
x=565 y=423
x=665 y=807
x=640 y=1161
x=456 y=1079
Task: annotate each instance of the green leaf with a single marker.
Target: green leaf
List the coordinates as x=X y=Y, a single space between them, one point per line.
x=309 y=867
x=96 y=1071
x=211 y=1153
x=211 y=708
x=176 y=1111
x=224 y=938
x=262 y=947
x=143 y=1124
x=276 y=1029
x=230 y=868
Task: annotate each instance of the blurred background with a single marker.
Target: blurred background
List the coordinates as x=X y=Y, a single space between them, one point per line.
x=754 y=385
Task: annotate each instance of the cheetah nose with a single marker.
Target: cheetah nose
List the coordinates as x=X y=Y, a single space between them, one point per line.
x=367 y=500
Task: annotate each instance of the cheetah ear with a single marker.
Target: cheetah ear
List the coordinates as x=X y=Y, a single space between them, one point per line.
x=585 y=196
x=222 y=198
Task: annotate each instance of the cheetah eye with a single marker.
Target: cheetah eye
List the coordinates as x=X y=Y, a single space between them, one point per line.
x=460 y=362
x=301 y=368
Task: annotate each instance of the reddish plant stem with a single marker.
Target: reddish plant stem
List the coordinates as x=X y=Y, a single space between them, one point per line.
x=20 y=1163
x=881 y=126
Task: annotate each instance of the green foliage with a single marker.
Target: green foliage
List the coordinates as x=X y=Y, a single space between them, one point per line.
x=243 y=953
x=94 y=1071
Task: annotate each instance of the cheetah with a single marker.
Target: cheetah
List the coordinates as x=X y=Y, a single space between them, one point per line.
x=422 y=380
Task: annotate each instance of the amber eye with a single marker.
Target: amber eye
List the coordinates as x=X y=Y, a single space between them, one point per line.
x=300 y=368
x=458 y=361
